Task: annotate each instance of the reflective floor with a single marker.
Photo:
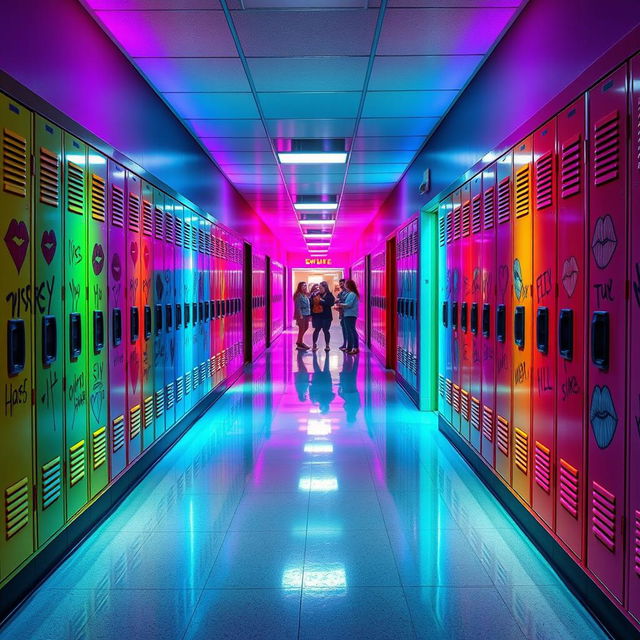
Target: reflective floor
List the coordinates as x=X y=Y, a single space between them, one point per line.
x=312 y=501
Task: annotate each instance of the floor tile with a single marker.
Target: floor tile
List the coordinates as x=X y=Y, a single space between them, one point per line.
x=344 y=511
x=272 y=512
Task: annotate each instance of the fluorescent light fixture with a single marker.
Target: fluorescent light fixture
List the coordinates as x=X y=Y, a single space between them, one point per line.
x=323 y=157
x=317 y=222
x=313 y=151
x=315 y=206
x=307 y=483
x=317 y=245
x=318 y=427
x=318 y=447
x=316 y=235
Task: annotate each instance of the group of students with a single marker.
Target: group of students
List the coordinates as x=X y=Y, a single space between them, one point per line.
x=315 y=306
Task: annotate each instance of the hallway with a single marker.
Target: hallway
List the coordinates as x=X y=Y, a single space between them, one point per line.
x=313 y=501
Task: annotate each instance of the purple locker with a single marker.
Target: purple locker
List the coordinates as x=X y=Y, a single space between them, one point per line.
x=159 y=290
x=178 y=318
x=464 y=332
x=447 y=213
x=170 y=319
x=456 y=288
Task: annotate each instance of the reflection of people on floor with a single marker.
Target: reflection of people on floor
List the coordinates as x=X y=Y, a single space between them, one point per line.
x=321 y=389
x=301 y=378
x=348 y=389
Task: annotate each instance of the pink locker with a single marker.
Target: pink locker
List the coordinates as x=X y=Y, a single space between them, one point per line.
x=159 y=286
x=146 y=314
x=169 y=315
x=487 y=318
x=446 y=309
x=456 y=289
x=607 y=319
x=178 y=318
x=475 y=306
x=543 y=424
x=571 y=322
x=503 y=323
x=464 y=311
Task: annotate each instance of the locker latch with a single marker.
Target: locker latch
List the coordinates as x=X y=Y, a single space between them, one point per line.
x=600 y=339
x=75 y=336
x=49 y=340
x=16 y=346
x=98 y=331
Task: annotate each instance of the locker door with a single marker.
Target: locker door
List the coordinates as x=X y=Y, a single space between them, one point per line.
x=400 y=302
x=543 y=425
x=474 y=311
x=16 y=373
x=503 y=316
x=188 y=334
x=213 y=295
x=147 y=302
x=75 y=304
x=607 y=318
x=134 y=314
x=450 y=295
x=97 y=373
x=170 y=320
x=487 y=317
x=522 y=318
x=118 y=321
x=413 y=304
x=571 y=323
x=48 y=327
x=159 y=292
x=464 y=311
x=444 y=379
x=199 y=298
x=178 y=319
x=456 y=289
x=204 y=297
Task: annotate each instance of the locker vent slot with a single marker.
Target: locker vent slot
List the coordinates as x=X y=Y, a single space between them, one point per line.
x=449 y=227
x=194 y=238
x=118 y=433
x=196 y=377
x=179 y=389
x=441 y=386
x=148 y=412
x=147 y=218
x=75 y=187
x=169 y=395
x=487 y=423
x=159 y=219
x=521 y=450
x=99 y=444
x=16 y=507
x=636 y=543
x=134 y=422
x=14 y=163
x=442 y=235
x=504 y=200
x=201 y=241
x=159 y=402
x=98 y=198
x=544 y=181
x=178 y=232
x=168 y=228
x=49 y=177
x=603 y=516
x=606 y=149
x=475 y=414
x=76 y=463
x=542 y=467
x=134 y=212
x=187 y=383
x=466 y=219
x=569 y=487
x=489 y=207
x=211 y=367
x=523 y=191
x=456 y=223
x=570 y=167
x=203 y=372
x=502 y=435
x=456 y=398
x=464 y=404
x=51 y=479
x=117 y=206
x=476 y=222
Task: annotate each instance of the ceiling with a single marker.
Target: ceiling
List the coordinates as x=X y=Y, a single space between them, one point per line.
x=247 y=76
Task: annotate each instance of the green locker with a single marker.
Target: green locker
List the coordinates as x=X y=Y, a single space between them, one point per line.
x=97 y=323
x=48 y=327
x=75 y=323
x=16 y=370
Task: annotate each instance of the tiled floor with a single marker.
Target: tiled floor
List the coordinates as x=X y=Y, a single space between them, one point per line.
x=312 y=501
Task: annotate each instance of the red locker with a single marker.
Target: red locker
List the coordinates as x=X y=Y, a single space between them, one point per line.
x=464 y=311
x=608 y=335
x=543 y=425
x=487 y=323
x=178 y=319
x=445 y=283
x=159 y=292
x=456 y=288
x=170 y=319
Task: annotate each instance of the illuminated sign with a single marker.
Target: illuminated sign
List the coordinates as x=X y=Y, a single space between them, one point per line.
x=317 y=261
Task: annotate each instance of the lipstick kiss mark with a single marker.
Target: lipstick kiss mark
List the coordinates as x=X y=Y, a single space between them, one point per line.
x=116 y=267
x=133 y=252
x=603 y=416
x=48 y=245
x=604 y=241
x=503 y=279
x=570 y=275
x=134 y=370
x=97 y=258
x=17 y=241
x=146 y=256
x=517 y=278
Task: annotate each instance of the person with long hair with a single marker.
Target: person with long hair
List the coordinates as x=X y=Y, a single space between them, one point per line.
x=342 y=294
x=349 y=307
x=321 y=316
x=301 y=313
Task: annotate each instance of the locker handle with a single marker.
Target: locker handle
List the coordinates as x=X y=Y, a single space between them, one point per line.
x=178 y=315
x=486 y=320
x=518 y=326
x=222 y=308
x=445 y=314
x=398 y=305
x=98 y=331
x=201 y=311
x=463 y=317
x=16 y=346
x=212 y=309
x=49 y=340
x=474 y=318
x=454 y=315
x=565 y=334
x=187 y=314
x=600 y=339
x=116 y=326
x=134 y=324
x=206 y=311
x=158 y=314
x=542 y=330
x=168 y=309
x=75 y=336
x=194 y=306
x=147 y=321
x=228 y=306
x=501 y=323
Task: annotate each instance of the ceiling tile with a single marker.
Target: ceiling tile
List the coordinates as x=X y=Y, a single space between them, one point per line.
x=407 y=104
x=258 y=158
x=396 y=126
x=447 y=3
x=193 y=106
x=376 y=168
x=313 y=170
x=152 y=5
x=311 y=128
x=375 y=157
x=301 y=4
x=237 y=144
x=309 y=105
x=388 y=143
x=227 y=128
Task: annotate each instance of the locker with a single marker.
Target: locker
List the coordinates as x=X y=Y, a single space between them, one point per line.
x=474 y=329
x=259 y=306
x=215 y=320
x=178 y=318
x=170 y=320
x=378 y=303
x=48 y=327
x=97 y=372
x=503 y=323
x=76 y=320
x=159 y=292
x=117 y=325
x=543 y=379
x=16 y=373
x=571 y=322
x=202 y=324
x=464 y=332
x=522 y=318
x=456 y=289
x=133 y=337
x=444 y=341
x=487 y=317
x=358 y=275
x=147 y=305
x=277 y=299
x=205 y=297
x=188 y=270
x=607 y=333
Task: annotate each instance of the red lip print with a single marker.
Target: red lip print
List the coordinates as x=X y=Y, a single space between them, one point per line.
x=570 y=275
x=146 y=256
x=604 y=241
x=98 y=259
x=48 y=245
x=134 y=252
x=116 y=267
x=17 y=241
x=503 y=279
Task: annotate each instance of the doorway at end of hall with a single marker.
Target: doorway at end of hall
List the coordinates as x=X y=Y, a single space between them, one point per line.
x=314 y=276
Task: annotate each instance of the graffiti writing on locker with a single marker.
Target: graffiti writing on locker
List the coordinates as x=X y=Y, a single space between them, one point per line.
x=20 y=301
x=520 y=375
x=77 y=395
x=476 y=352
x=44 y=295
x=544 y=380
x=14 y=396
x=503 y=361
x=74 y=294
x=604 y=291
x=97 y=390
x=543 y=284
x=49 y=396
x=74 y=255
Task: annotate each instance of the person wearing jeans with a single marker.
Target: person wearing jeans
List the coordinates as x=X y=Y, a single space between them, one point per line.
x=321 y=315
x=301 y=313
x=349 y=306
x=340 y=298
